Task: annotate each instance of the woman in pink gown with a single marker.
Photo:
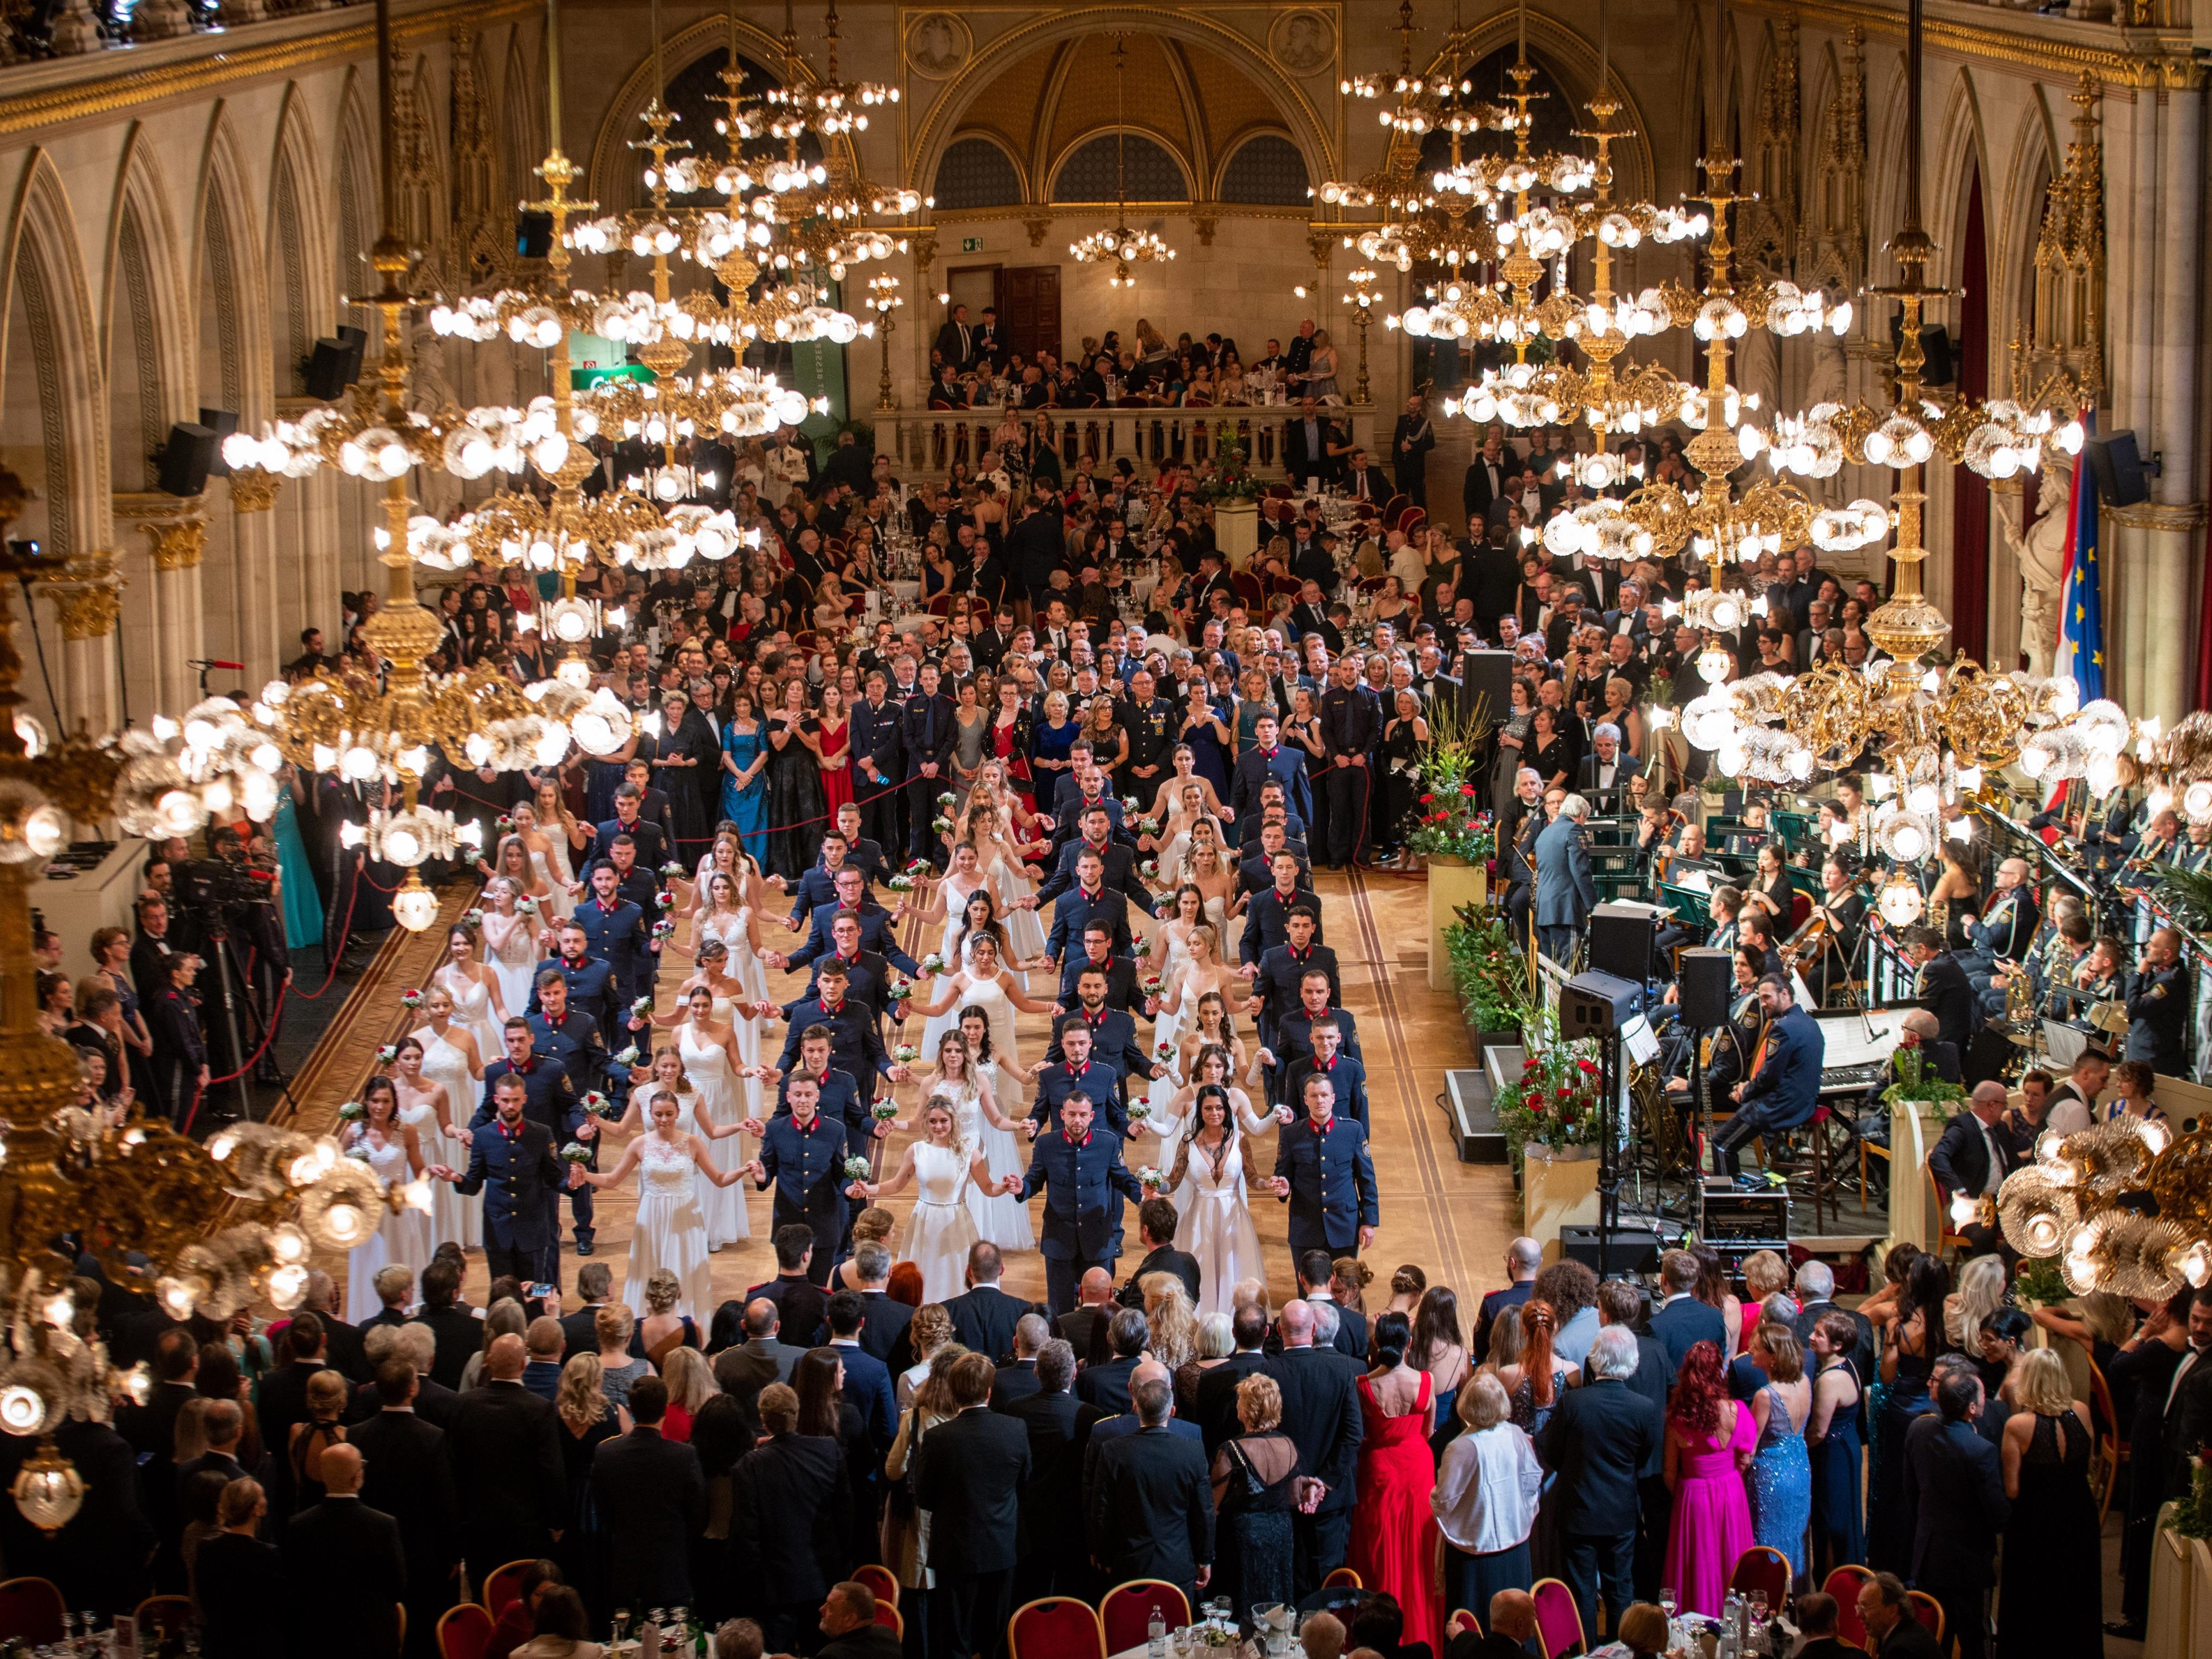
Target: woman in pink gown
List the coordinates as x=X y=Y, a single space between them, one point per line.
x=1709 y=1441
x=1394 y=1530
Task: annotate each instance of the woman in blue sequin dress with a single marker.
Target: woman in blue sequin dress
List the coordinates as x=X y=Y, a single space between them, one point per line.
x=1780 y=1478
x=744 y=792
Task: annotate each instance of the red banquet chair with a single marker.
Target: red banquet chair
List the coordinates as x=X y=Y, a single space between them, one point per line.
x=1763 y=1568
x=1558 y=1620
x=164 y=1617
x=503 y=1586
x=1055 y=1627
x=463 y=1630
x=31 y=1608
x=1930 y=1612
x=889 y=1616
x=1844 y=1583
x=881 y=1581
x=1125 y=1613
x=1343 y=1579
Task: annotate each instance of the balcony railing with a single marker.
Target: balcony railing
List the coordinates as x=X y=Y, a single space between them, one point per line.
x=930 y=442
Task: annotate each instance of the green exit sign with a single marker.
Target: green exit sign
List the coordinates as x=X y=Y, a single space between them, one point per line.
x=971 y=245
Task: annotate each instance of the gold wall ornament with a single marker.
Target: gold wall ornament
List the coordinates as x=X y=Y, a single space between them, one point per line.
x=175 y=531
x=252 y=490
x=1205 y=224
x=1036 y=224
x=2064 y=360
x=85 y=613
x=937 y=44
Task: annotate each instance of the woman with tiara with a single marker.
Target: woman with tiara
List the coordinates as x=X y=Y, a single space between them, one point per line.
x=1209 y=867
x=727 y=921
x=733 y=1003
x=426 y=1107
x=450 y=1056
x=707 y=1047
x=941 y=1231
x=1211 y=1198
x=475 y=991
x=962 y=900
x=984 y=984
x=962 y=1079
x=1210 y=1024
x=671 y=1230
x=388 y=1144
x=1187 y=811
x=1170 y=805
x=513 y=943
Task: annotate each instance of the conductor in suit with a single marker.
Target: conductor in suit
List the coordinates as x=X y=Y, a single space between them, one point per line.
x=969 y=1475
x=1598 y=1441
x=1081 y=1174
x=1783 y=1089
x=1150 y=1513
x=1323 y=1172
x=1974 y=1154
x=1565 y=892
x=511 y=1161
x=651 y=1497
x=348 y=1571
x=1954 y=1486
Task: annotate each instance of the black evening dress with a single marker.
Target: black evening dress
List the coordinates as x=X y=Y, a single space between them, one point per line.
x=2051 y=1601
x=795 y=800
x=1253 y=1535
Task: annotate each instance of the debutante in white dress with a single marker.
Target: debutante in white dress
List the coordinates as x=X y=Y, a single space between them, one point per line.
x=1216 y=1224
x=444 y=1063
x=453 y=1218
x=940 y=1232
x=403 y=1236
x=955 y=894
x=734 y=930
x=1000 y=1218
x=472 y=1010
x=670 y=1232
x=991 y=996
x=708 y=1065
x=1025 y=932
x=511 y=955
x=553 y=869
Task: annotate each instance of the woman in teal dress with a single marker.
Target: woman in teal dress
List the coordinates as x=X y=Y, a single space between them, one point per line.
x=744 y=792
x=303 y=904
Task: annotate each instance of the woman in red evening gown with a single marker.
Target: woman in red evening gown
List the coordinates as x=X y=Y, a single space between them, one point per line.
x=836 y=751
x=1394 y=1530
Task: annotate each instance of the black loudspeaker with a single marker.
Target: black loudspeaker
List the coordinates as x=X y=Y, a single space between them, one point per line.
x=223 y=423
x=2117 y=467
x=1598 y=1005
x=355 y=342
x=184 y=460
x=1635 y=1250
x=1620 y=942
x=533 y=234
x=324 y=371
x=1487 y=676
x=1702 y=981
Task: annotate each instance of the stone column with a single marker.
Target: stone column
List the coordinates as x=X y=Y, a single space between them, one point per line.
x=86 y=609
x=176 y=536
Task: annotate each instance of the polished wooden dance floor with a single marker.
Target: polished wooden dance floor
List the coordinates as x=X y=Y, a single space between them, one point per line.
x=1454 y=1219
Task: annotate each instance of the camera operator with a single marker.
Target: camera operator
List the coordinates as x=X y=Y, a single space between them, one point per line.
x=241 y=938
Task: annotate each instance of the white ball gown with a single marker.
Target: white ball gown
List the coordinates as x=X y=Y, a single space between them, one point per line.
x=940 y=1232
x=733 y=929
x=1024 y=932
x=991 y=996
x=444 y=1063
x=708 y=1065
x=555 y=873
x=1216 y=1224
x=511 y=956
x=669 y=1231
x=1000 y=1218
x=452 y=1218
x=472 y=1010
x=403 y=1236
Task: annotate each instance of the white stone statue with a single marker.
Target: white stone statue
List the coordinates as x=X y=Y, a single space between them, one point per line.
x=2041 y=555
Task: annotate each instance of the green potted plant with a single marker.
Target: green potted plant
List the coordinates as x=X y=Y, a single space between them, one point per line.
x=1455 y=834
x=1489 y=976
x=1230 y=490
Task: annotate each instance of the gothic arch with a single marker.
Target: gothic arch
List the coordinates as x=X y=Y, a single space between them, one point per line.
x=226 y=256
x=42 y=273
x=298 y=259
x=361 y=211
x=1886 y=117
x=145 y=331
x=934 y=130
x=1961 y=145
x=2033 y=163
x=521 y=113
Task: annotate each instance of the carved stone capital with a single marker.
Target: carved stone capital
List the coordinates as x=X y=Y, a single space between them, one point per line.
x=252 y=490
x=1036 y=229
x=175 y=531
x=85 y=613
x=1205 y=224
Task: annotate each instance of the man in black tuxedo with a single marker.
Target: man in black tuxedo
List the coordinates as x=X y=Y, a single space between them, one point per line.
x=956 y=340
x=409 y=1479
x=1681 y=1320
x=1524 y=1259
x=883 y=1321
x=984 y=1316
x=1886 y=1609
x=1050 y=1558
x=1216 y=1414
x=1084 y=1324
x=1150 y=1509
x=99 y=1560
x=1599 y=1439
x=1945 y=990
x=1321 y=1415
x=1955 y=1479
x=1156 y=1232
x=1973 y=1155
x=1364 y=481
x=789 y=1516
x=801 y=1304
x=970 y=1476
x=283 y=1398
x=595 y=1283
x=1306 y=446
x=926 y=730
x=1620 y=1303
x=1018 y=1378
x=347 y=1566
x=1489 y=479
x=651 y=1502
x=763 y=1359
x=1106 y=1384
x=506 y=1454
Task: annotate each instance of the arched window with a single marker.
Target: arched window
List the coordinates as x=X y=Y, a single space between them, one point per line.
x=975 y=173
x=1152 y=173
x=1266 y=171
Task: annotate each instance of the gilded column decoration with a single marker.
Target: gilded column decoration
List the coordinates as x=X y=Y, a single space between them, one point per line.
x=254 y=490
x=175 y=531
x=1036 y=229
x=924 y=244
x=2064 y=362
x=1205 y=224
x=1771 y=221
x=85 y=613
x=1839 y=175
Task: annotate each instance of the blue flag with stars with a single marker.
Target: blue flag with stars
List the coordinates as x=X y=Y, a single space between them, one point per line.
x=2081 y=617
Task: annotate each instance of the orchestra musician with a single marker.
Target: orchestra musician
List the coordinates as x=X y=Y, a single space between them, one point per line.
x=1783 y=1089
x=1945 y=990
x=1727 y=1058
x=1832 y=931
x=2158 y=1005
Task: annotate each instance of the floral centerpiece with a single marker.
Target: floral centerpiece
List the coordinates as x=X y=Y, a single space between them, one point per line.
x=1554 y=1101
x=1230 y=478
x=1451 y=824
x=1916 y=1077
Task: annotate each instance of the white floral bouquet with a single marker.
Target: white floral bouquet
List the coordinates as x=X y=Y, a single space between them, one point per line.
x=941 y=824
x=899 y=990
x=664 y=928
x=352 y=1112
x=628 y=1057
x=386 y=1053
x=856 y=1168
x=598 y=1105
x=884 y=1111
x=1139 y=1110
x=1153 y=983
x=901 y=882
x=358 y=1152
x=1143 y=947
x=526 y=906
x=664 y=901
x=932 y=963
x=506 y=824
x=576 y=1152
x=1150 y=1179
x=411 y=998
x=473 y=917
x=642 y=1007
x=674 y=870
x=905 y=1054
x=947 y=797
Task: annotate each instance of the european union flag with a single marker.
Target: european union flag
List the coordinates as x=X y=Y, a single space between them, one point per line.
x=2081 y=618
